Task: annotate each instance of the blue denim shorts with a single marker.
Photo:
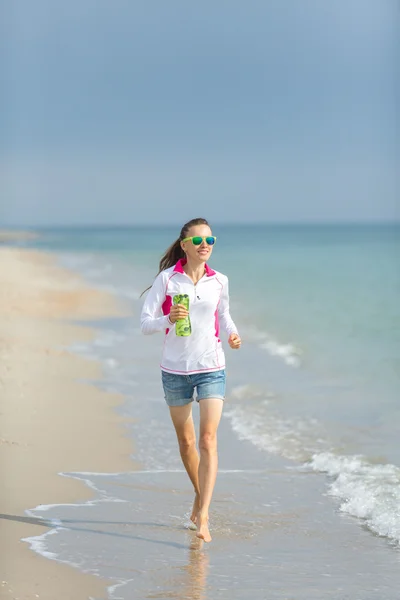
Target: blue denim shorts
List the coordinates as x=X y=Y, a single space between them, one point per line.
x=179 y=389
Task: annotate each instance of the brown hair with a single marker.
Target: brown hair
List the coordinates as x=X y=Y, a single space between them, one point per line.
x=175 y=252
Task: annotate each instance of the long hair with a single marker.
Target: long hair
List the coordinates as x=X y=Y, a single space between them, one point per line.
x=175 y=252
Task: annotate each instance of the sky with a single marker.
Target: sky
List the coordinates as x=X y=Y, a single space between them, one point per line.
x=152 y=111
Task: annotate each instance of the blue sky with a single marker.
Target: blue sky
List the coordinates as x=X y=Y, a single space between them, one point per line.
x=152 y=111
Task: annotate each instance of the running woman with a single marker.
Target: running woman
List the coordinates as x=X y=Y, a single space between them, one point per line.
x=194 y=360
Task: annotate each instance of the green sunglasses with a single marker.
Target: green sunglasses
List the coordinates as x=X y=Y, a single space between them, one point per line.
x=198 y=239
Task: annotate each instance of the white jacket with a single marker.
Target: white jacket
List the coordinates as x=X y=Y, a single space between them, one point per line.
x=202 y=350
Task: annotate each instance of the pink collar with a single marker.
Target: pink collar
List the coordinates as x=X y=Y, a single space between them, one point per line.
x=182 y=261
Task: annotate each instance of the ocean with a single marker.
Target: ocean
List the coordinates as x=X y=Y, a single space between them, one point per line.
x=309 y=440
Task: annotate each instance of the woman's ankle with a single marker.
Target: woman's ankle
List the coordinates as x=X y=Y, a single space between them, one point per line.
x=203 y=515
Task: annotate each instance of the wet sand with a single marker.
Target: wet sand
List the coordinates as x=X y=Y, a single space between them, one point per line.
x=52 y=419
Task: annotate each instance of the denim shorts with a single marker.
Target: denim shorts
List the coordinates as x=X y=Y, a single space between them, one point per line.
x=179 y=389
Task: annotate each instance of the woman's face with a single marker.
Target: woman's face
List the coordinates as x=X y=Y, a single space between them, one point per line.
x=198 y=253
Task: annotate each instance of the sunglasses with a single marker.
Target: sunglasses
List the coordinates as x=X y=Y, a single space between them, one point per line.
x=197 y=240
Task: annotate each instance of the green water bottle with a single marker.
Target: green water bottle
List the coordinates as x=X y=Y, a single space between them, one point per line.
x=183 y=327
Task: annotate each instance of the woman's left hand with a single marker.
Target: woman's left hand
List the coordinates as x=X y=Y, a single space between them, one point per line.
x=234 y=341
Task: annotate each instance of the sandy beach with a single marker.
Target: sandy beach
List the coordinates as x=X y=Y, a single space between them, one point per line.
x=52 y=419
x=81 y=396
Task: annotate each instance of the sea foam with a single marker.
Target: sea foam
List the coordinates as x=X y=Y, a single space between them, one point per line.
x=368 y=491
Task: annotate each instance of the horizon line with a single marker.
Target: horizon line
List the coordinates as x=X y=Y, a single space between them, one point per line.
x=93 y=225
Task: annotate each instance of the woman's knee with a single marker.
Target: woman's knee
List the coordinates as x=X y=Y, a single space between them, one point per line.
x=186 y=443
x=208 y=441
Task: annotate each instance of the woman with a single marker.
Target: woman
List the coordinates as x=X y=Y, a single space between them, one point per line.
x=193 y=357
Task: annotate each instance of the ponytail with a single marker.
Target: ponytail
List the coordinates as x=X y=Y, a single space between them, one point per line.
x=171 y=256
x=175 y=252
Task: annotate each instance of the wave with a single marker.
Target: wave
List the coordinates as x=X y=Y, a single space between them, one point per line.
x=107 y=276
x=368 y=491
x=296 y=439
x=288 y=352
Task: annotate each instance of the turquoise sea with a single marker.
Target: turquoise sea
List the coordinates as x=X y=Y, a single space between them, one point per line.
x=317 y=381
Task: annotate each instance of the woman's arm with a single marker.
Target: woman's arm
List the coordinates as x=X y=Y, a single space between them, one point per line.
x=224 y=316
x=152 y=319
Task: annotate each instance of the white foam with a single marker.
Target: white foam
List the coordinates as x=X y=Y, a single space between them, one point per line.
x=242 y=392
x=288 y=352
x=188 y=523
x=111 y=362
x=368 y=491
x=101 y=498
x=113 y=588
x=57 y=522
x=106 y=340
x=151 y=472
x=95 y=271
x=37 y=544
x=296 y=439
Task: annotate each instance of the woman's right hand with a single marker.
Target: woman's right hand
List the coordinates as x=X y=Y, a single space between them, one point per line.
x=178 y=311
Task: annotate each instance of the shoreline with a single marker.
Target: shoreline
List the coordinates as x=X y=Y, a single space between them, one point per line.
x=273 y=521
x=53 y=419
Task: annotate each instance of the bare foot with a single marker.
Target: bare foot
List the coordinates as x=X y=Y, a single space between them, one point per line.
x=202 y=528
x=195 y=509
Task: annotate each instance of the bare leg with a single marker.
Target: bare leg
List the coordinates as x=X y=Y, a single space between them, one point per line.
x=210 y=416
x=184 y=427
